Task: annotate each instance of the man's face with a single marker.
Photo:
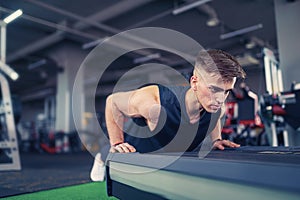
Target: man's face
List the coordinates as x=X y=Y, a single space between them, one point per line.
x=211 y=91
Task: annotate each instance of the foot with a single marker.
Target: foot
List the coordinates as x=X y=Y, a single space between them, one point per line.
x=98 y=170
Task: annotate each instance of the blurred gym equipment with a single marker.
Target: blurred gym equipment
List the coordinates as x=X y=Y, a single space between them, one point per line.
x=242 y=123
x=9 y=151
x=274 y=86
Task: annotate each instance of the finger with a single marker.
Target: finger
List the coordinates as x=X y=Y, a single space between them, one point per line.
x=216 y=145
x=130 y=147
x=119 y=149
x=233 y=145
x=123 y=148
x=227 y=143
x=220 y=146
x=230 y=144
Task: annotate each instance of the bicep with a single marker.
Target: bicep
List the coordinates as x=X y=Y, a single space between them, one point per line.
x=119 y=103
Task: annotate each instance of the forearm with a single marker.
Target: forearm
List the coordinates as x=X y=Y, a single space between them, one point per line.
x=216 y=133
x=114 y=122
x=217 y=141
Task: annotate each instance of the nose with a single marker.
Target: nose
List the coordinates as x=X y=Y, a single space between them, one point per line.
x=220 y=98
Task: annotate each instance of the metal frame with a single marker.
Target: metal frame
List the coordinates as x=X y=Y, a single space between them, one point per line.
x=274 y=85
x=273 y=73
x=9 y=145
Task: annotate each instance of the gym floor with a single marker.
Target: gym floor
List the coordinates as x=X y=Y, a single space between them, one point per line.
x=45 y=172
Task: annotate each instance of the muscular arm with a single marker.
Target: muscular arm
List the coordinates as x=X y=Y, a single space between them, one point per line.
x=138 y=103
x=114 y=118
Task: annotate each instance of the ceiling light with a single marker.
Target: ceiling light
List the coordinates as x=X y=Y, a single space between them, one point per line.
x=247 y=60
x=189 y=6
x=13 y=16
x=240 y=31
x=250 y=44
x=37 y=64
x=93 y=43
x=211 y=22
x=9 y=71
x=146 y=58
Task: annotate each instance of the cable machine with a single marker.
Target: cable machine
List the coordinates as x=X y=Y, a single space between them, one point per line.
x=274 y=85
x=9 y=151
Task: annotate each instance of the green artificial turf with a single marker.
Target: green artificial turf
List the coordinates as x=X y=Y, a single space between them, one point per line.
x=90 y=191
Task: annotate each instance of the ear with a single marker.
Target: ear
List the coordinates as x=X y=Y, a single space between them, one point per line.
x=194 y=81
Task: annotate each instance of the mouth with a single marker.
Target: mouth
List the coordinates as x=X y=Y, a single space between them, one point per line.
x=215 y=107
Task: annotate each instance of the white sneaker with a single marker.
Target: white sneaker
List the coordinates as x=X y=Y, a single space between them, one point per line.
x=98 y=170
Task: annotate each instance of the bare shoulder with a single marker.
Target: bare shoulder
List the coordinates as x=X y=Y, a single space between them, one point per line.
x=148 y=94
x=151 y=90
x=148 y=91
x=136 y=102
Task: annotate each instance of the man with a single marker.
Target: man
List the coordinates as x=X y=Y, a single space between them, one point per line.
x=178 y=118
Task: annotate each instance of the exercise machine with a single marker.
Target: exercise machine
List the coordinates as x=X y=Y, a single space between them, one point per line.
x=242 y=124
x=9 y=151
x=248 y=173
x=274 y=86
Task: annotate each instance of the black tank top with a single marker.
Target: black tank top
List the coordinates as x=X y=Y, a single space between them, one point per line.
x=174 y=132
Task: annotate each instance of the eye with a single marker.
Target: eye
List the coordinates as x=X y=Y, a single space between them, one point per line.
x=212 y=89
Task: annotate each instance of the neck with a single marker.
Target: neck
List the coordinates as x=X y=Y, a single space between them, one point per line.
x=193 y=106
